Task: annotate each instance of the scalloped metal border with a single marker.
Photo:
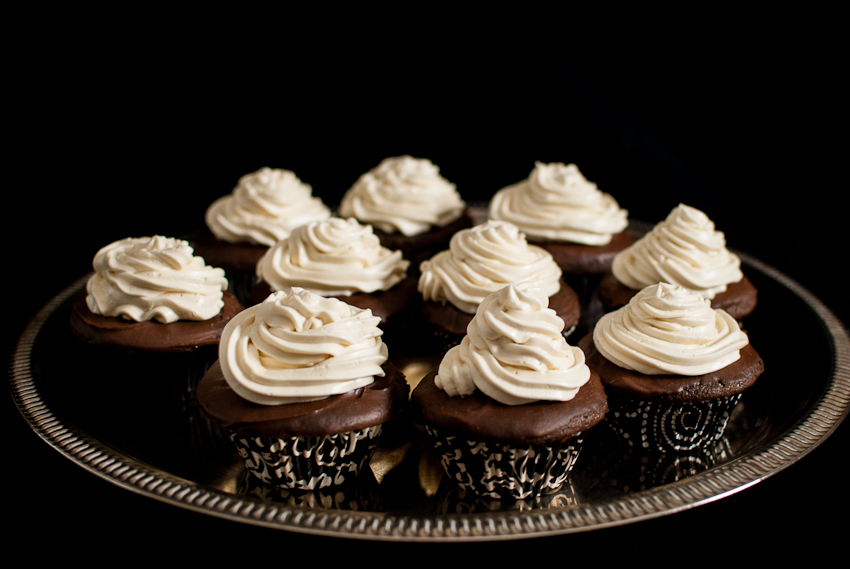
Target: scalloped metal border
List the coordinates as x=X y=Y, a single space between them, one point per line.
x=713 y=484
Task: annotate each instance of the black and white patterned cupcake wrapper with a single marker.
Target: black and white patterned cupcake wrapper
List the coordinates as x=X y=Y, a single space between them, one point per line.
x=452 y=499
x=502 y=470
x=666 y=426
x=308 y=463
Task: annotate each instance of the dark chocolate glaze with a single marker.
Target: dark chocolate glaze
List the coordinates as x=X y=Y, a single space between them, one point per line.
x=150 y=336
x=481 y=418
x=437 y=239
x=739 y=299
x=447 y=317
x=382 y=303
x=579 y=259
x=360 y=408
x=732 y=379
x=241 y=257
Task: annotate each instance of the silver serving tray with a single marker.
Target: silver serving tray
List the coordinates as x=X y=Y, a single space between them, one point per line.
x=182 y=464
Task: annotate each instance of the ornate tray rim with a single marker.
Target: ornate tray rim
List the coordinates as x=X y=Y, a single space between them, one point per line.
x=738 y=474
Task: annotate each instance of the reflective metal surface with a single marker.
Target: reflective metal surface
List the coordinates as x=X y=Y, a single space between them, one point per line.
x=171 y=453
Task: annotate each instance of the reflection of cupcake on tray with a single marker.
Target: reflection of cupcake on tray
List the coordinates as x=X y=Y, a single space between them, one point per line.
x=153 y=299
x=685 y=249
x=672 y=366
x=351 y=496
x=453 y=499
x=611 y=466
x=304 y=386
x=263 y=208
x=480 y=261
x=338 y=258
x=507 y=407
x=412 y=208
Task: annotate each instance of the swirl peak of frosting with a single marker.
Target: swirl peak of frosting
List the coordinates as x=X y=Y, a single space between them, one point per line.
x=483 y=259
x=405 y=195
x=335 y=257
x=684 y=249
x=154 y=278
x=514 y=352
x=298 y=346
x=264 y=207
x=556 y=202
x=667 y=329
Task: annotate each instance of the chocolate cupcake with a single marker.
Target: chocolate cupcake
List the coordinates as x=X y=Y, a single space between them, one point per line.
x=152 y=301
x=560 y=210
x=684 y=249
x=482 y=260
x=672 y=366
x=582 y=227
x=410 y=206
x=339 y=258
x=263 y=208
x=506 y=408
x=303 y=385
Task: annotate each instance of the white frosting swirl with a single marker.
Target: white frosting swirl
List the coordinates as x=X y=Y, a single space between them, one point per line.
x=484 y=259
x=667 y=329
x=514 y=353
x=557 y=203
x=335 y=257
x=264 y=207
x=297 y=346
x=684 y=249
x=405 y=195
x=154 y=278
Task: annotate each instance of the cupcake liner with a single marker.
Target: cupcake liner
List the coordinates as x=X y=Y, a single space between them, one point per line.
x=308 y=463
x=504 y=470
x=670 y=426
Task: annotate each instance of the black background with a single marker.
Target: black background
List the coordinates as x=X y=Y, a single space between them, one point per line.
x=131 y=124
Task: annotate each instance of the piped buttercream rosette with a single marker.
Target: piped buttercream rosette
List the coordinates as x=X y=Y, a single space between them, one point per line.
x=667 y=329
x=154 y=278
x=335 y=257
x=403 y=194
x=297 y=346
x=514 y=352
x=558 y=203
x=484 y=259
x=684 y=249
x=264 y=207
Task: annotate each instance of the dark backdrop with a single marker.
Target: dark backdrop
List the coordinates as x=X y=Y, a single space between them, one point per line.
x=134 y=126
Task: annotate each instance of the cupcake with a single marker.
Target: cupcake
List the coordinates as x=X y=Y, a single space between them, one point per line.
x=506 y=408
x=338 y=258
x=263 y=208
x=685 y=249
x=481 y=260
x=672 y=366
x=411 y=207
x=560 y=210
x=150 y=297
x=303 y=386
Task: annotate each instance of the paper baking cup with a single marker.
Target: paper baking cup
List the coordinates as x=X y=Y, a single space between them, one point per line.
x=504 y=470
x=308 y=463
x=665 y=426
